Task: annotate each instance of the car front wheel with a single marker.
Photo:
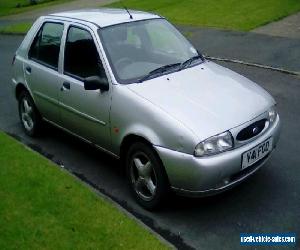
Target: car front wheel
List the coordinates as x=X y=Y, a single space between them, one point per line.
x=146 y=175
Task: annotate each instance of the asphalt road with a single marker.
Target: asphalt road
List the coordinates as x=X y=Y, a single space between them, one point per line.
x=279 y=52
x=267 y=202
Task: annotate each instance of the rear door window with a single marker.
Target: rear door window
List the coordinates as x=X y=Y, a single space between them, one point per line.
x=46 y=45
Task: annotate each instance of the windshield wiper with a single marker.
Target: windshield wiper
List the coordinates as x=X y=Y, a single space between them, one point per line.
x=159 y=71
x=188 y=62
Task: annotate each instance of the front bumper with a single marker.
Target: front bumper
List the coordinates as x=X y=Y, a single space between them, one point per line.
x=192 y=176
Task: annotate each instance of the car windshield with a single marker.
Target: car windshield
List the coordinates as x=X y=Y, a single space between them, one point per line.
x=142 y=50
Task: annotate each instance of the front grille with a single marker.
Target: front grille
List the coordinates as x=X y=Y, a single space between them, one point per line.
x=253 y=130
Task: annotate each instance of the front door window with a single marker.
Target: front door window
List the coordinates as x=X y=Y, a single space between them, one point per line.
x=81 y=55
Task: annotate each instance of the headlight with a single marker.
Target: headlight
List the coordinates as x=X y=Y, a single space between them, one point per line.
x=214 y=145
x=272 y=114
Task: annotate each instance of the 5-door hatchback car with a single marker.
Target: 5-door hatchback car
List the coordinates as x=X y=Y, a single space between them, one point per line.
x=133 y=86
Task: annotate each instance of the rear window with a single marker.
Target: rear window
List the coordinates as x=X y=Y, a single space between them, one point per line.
x=46 y=45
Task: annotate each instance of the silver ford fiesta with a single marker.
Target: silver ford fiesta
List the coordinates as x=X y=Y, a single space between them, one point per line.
x=130 y=84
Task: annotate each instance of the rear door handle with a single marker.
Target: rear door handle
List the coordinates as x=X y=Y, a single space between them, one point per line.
x=28 y=70
x=66 y=86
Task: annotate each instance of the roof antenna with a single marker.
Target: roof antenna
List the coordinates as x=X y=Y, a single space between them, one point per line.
x=130 y=16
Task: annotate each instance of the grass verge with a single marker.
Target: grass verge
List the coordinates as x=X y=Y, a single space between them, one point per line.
x=9 y=7
x=225 y=14
x=17 y=28
x=44 y=207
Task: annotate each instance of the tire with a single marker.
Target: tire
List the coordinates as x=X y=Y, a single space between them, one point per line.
x=146 y=176
x=29 y=115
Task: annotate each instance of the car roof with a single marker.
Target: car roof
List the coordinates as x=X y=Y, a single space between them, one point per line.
x=105 y=16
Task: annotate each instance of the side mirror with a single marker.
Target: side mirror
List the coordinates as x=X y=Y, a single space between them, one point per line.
x=96 y=82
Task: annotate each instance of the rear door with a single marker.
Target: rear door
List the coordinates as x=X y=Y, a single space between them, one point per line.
x=84 y=112
x=41 y=69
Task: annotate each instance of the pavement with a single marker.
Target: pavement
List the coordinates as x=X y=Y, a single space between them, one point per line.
x=269 y=201
x=287 y=27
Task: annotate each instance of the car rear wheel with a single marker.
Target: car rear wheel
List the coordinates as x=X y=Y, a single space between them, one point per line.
x=146 y=176
x=29 y=116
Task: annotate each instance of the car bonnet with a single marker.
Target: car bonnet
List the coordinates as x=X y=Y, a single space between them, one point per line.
x=208 y=98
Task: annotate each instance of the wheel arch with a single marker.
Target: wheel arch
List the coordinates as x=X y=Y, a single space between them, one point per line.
x=20 y=87
x=129 y=140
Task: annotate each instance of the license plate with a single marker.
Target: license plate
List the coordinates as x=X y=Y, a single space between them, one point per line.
x=257 y=153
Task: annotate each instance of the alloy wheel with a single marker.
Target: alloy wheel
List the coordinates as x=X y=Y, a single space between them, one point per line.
x=27 y=114
x=143 y=176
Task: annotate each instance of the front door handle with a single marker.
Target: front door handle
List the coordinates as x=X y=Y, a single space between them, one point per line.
x=28 y=70
x=66 y=86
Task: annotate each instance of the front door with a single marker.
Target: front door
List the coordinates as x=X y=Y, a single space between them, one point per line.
x=84 y=112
